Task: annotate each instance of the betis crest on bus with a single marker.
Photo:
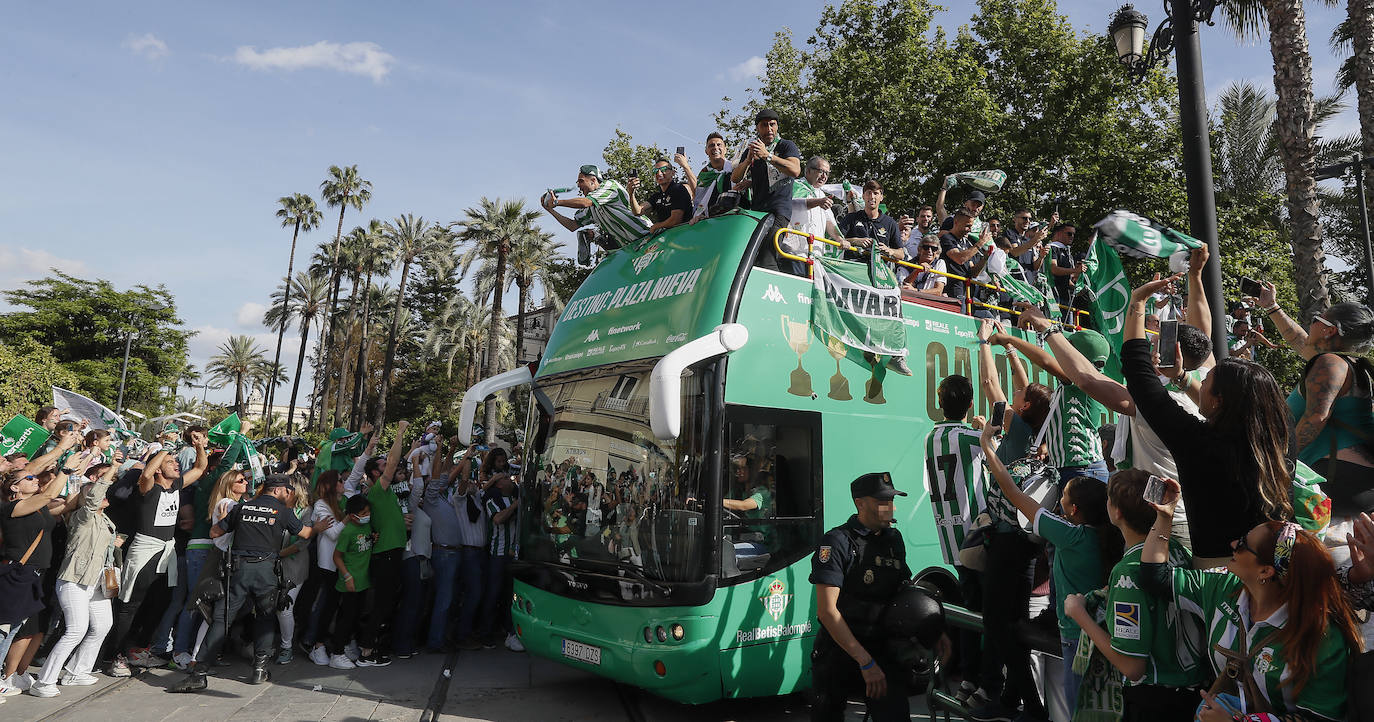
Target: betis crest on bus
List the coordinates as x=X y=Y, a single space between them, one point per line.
x=775 y=601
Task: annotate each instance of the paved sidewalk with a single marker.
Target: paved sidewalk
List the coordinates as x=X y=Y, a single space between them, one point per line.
x=495 y=685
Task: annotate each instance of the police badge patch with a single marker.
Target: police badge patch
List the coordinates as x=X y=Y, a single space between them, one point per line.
x=868 y=576
x=824 y=554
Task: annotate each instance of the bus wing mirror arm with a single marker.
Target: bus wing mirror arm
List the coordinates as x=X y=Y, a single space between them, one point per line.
x=481 y=390
x=665 y=383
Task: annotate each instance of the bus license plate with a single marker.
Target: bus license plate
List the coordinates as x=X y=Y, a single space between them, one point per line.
x=582 y=652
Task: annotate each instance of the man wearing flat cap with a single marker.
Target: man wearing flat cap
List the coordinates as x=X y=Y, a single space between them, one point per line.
x=771 y=163
x=857 y=570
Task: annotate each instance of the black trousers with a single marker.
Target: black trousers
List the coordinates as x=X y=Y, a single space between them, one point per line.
x=250 y=581
x=351 y=608
x=835 y=677
x=1154 y=703
x=384 y=572
x=1006 y=594
x=137 y=618
x=982 y=670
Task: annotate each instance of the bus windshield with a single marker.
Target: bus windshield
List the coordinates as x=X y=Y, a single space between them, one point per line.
x=607 y=496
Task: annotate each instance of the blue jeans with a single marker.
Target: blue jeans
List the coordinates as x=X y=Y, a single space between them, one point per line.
x=1097 y=470
x=471 y=568
x=496 y=608
x=445 y=562
x=407 y=619
x=1071 y=680
x=188 y=622
x=162 y=636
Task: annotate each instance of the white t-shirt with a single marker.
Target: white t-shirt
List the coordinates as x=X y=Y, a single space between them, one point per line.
x=222 y=510
x=810 y=220
x=925 y=280
x=326 y=541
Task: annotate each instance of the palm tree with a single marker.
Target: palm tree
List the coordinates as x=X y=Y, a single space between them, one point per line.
x=489 y=231
x=299 y=212
x=1248 y=159
x=531 y=259
x=411 y=237
x=1295 y=124
x=1356 y=35
x=343 y=188
x=373 y=255
x=236 y=363
x=308 y=295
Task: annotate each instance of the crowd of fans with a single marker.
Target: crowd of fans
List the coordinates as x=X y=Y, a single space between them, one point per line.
x=115 y=553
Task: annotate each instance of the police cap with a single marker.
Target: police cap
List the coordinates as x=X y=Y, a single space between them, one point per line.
x=275 y=481
x=877 y=485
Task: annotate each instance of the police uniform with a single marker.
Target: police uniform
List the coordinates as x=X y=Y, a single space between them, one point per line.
x=870 y=569
x=258 y=525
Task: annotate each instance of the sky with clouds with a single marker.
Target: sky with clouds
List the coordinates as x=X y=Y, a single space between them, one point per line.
x=149 y=142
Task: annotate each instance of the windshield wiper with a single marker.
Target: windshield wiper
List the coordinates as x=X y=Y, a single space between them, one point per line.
x=631 y=570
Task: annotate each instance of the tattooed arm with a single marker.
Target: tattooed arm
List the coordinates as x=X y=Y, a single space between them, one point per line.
x=1323 y=382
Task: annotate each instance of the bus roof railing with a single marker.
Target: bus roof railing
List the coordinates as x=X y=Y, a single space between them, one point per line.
x=968 y=299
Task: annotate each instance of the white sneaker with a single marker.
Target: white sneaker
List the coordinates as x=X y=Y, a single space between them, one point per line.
x=319 y=656
x=352 y=651
x=73 y=679
x=22 y=681
x=143 y=658
x=38 y=689
x=513 y=643
x=341 y=661
x=119 y=667
x=182 y=661
x=7 y=688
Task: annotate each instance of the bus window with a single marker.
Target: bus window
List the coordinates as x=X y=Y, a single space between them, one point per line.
x=769 y=492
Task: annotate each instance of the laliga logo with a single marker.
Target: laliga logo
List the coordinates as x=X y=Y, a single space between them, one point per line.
x=775 y=601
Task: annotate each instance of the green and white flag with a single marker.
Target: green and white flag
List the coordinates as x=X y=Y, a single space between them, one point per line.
x=859 y=304
x=21 y=435
x=1111 y=292
x=100 y=416
x=1019 y=290
x=988 y=181
x=1141 y=237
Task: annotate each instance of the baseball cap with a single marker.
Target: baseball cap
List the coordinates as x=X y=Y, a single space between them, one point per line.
x=877 y=485
x=592 y=170
x=976 y=195
x=767 y=114
x=1092 y=345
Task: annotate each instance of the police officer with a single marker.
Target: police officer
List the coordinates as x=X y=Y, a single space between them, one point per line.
x=859 y=568
x=258 y=525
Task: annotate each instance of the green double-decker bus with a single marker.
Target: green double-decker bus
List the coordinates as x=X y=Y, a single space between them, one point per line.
x=681 y=375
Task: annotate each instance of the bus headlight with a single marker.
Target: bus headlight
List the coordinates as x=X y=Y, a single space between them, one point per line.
x=648 y=635
x=678 y=632
x=661 y=633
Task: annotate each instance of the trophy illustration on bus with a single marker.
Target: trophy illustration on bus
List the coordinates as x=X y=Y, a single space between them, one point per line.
x=839 y=385
x=798 y=336
x=873 y=389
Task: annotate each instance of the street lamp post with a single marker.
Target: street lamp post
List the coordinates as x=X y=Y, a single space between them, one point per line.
x=128 y=342
x=1178 y=31
x=1357 y=164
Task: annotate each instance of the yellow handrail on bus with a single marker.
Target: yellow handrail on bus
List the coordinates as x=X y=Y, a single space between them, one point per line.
x=968 y=282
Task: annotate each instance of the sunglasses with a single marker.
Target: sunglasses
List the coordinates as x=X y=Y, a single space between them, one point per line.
x=820 y=171
x=1333 y=324
x=929 y=248
x=1242 y=545
x=663 y=169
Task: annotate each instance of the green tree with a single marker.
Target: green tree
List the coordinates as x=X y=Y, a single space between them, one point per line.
x=30 y=371
x=343 y=189
x=411 y=237
x=622 y=155
x=488 y=232
x=84 y=323
x=306 y=303
x=238 y=362
x=299 y=213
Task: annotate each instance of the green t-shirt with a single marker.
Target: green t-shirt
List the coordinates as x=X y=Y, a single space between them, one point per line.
x=1077 y=567
x=1071 y=428
x=200 y=509
x=1146 y=627
x=387 y=519
x=355 y=544
x=1219 y=600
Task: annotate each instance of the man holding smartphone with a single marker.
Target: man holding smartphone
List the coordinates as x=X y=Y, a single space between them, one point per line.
x=713 y=179
x=670 y=205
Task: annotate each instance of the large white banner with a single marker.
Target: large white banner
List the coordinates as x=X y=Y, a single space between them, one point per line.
x=100 y=416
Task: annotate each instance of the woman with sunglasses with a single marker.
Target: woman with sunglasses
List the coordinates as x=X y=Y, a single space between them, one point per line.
x=1332 y=407
x=1278 y=617
x=26 y=524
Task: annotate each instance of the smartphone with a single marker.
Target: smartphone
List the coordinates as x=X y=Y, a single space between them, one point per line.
x=634 y=173
x=681 y=150
x=1168 y=344
x=1250 y=287
x=1154 y=490
x=999 y=412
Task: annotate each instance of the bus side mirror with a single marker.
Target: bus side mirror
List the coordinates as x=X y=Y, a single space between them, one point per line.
x=481 y=390
x=665 y=383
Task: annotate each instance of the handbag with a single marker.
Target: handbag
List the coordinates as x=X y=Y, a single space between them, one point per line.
x=109 y=576
x=1235 y=679
x=21 y=593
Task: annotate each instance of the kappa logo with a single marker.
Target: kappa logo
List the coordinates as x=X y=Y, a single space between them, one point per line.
x=1126 y=618
x=774 y=295
x=1126 y=582
x=595 y=335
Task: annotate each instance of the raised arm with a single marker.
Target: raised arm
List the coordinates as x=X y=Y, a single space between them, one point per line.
x=145 y=482
x=551 y=203
x=40 y=464
x=393 y=458
x=195 y=473
x=1038 y=356
x=940 y=213
x=1080 y=371
x=988 y=378
x=687 y=174
x=24 y=507
x=1023 y=502
x=1199 y=312
x=1294 y=334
